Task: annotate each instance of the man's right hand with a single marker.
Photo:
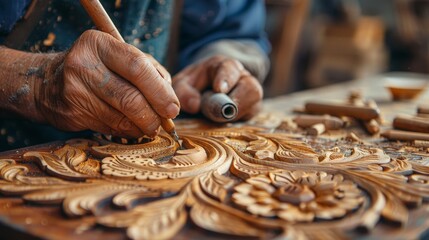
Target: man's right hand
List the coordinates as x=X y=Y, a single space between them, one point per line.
x=106 y=86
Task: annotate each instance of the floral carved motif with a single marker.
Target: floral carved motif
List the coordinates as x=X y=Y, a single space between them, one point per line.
x=238 y=181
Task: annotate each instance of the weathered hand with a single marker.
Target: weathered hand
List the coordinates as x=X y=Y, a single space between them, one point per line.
x=109 y=87
x=223 y=75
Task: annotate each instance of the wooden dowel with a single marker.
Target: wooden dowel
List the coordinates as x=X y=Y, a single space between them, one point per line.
x=411 y=124
x=405 y=135
x=420 y=143
x=330 y=122
x=372 y=126
x=356 y=100
x=355 y=94
x=422 y=115
x=423 y=109
x=338 y=109
x=372 y=104
x=316 y=129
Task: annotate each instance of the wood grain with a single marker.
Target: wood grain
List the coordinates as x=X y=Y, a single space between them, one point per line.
x=239 y=182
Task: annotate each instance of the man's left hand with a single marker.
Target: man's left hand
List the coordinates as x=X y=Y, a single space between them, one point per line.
x=222 y=75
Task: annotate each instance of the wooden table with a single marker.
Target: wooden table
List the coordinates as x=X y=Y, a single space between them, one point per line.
x=371 y=87
x=35 y=218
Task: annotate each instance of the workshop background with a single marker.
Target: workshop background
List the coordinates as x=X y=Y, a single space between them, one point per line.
x=320 y=42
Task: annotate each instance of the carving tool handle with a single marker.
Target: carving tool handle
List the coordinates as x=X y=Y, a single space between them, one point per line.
x=100 y=18
x=103 y=22
x=218 y=107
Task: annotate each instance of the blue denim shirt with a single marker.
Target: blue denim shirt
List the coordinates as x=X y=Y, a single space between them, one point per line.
x=146 y=23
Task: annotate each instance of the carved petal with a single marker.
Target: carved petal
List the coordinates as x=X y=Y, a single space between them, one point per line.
x=161 y=146
x=216 y=185
x=218 y=221
x=394 y=210
x=359 y=157
x=289 y=156
x=163 y=226
x=156 y=220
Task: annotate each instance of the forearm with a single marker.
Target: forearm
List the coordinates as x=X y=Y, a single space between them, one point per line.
x=21 y=76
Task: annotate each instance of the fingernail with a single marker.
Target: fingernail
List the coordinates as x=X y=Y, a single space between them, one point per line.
x=172 y=110
x=224 y=86
x=193 y=105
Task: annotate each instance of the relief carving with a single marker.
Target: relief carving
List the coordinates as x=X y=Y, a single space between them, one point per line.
x=243 y=181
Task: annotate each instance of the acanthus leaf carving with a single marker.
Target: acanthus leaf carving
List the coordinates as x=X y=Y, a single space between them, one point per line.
x=239 y=181
x=68 y=162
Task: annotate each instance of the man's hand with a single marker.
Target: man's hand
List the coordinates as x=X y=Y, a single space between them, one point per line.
x=223 y=75
x=106 y=86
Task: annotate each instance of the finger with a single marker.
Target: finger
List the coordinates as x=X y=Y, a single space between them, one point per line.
x=246 y=94
x=104 y=119
x=119 y=125
x=126 y=99
x=194 y=75
x=255 y=109
x=161 y=70
x=134 y=66
x=226 y=75
x=189 y=97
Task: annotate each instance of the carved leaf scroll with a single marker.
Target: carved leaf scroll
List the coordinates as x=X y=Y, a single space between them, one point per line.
x=67 y=163
x=160 y=219
x=243 y=181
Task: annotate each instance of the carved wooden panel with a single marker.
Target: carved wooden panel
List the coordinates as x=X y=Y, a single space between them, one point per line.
x=241 y=181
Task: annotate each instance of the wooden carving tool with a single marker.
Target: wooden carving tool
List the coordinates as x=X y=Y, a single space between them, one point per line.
x=405 y=135
x=411 y=124
x=338 y=109
x=103 y=22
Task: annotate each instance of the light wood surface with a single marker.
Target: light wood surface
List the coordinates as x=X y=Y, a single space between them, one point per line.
x=371 y=88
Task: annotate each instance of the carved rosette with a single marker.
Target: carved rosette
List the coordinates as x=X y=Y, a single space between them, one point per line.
x=298 y=196
x=237 y=181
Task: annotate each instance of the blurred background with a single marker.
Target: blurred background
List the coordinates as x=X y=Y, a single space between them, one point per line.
x=320 y=42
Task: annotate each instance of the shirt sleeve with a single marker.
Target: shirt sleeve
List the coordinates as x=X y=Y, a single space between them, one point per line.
x=231 y=28
x=10 y=13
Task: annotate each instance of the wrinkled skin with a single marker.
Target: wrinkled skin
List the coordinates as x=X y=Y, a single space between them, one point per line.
x=223 y=75
x=113 y=88
x=109 y=87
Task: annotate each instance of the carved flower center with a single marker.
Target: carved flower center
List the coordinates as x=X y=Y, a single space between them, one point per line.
x=294 y=193
x=298 y=196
